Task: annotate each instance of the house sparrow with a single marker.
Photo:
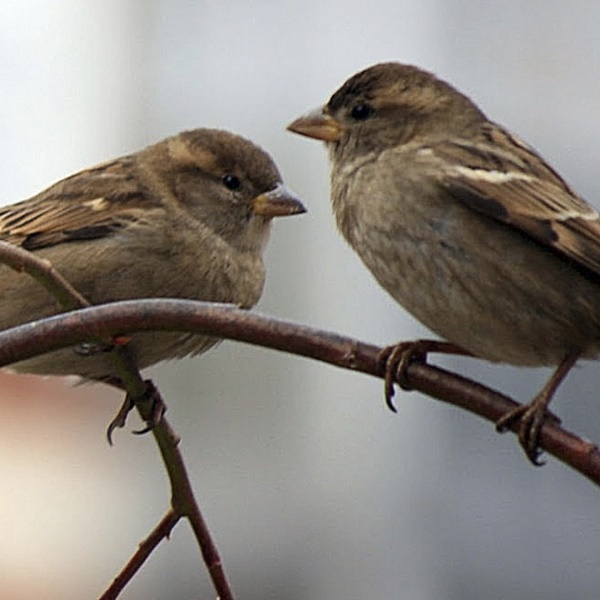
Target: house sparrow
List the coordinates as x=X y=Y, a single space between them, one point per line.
x=464 y=224
x=188 y=217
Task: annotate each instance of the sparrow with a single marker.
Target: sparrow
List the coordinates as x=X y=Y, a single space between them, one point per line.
x=188 y=217
x=465 y=225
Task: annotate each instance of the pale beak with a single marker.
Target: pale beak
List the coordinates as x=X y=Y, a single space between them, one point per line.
x=278 y=202
x=318 y=124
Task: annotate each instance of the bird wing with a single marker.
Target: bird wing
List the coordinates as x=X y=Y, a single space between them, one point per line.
x=502 y=177
x=90 y=204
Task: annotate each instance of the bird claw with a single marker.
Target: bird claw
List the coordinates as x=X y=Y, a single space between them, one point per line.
x=394 y=361
x=530 y=418
x=159 y=408
x=156 y=414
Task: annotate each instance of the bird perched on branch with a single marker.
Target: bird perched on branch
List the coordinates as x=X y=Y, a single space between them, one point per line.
x=188 y=217
x=465 y=225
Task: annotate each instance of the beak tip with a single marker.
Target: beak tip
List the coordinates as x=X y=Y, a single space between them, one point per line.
x=279 y=202
x=300 y=209
x=295 y=206
x=293 y=126
x=317 y=124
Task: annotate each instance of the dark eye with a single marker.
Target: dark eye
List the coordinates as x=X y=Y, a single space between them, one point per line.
x=231 y=182
x=362 y=111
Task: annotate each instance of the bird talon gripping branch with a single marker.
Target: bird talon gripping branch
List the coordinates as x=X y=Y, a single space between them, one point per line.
x=394 y=361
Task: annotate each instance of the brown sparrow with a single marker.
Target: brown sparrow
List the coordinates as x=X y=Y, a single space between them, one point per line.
x=464 y=224
x=188 y=217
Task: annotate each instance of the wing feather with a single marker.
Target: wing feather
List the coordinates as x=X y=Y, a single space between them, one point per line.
x=90 y=204
x=503 y=178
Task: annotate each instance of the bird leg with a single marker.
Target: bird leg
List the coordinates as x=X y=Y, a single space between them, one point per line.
x=156 y=412
x=394 y=360
x=157 y=407
x=532 y=416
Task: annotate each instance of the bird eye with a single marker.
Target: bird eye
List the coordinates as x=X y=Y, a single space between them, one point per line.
x=231 y=182
x=362 y=111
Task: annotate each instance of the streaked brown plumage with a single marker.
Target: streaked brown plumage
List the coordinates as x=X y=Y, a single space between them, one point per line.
x=188 y=217
x=463 y=224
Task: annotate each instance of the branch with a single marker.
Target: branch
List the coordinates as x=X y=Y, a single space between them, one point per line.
x=145 y=549
x=44 y=273
x=183 y=501
x=225 y=321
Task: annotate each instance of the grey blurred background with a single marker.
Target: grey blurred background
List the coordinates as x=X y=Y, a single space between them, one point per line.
x=312 y=488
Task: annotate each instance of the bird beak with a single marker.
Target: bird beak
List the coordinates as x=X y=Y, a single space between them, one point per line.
x=318 y=124
x=278 y=202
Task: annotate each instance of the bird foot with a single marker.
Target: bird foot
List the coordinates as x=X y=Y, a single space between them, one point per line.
x=394 y=361
x=158 y=409
x=530 y=418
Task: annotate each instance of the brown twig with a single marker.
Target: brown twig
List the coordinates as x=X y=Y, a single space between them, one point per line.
x=44 y=273
x=184 y=504
x=228 y=322
x=145 y=549
x=183 y=501
x=158 y=534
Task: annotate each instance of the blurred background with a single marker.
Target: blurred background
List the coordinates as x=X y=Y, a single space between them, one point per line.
x=312 y=488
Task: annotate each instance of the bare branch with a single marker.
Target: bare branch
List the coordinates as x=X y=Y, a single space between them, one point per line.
x=183 y=500
x=183 y=503
x=144 y=394
x=145 y=549
x=228 y=322
x=44 y=273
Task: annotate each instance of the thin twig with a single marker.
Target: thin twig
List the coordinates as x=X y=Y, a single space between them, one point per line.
x=145 y=549
x=183 y=502
x=44 y=273
x=228 y=322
